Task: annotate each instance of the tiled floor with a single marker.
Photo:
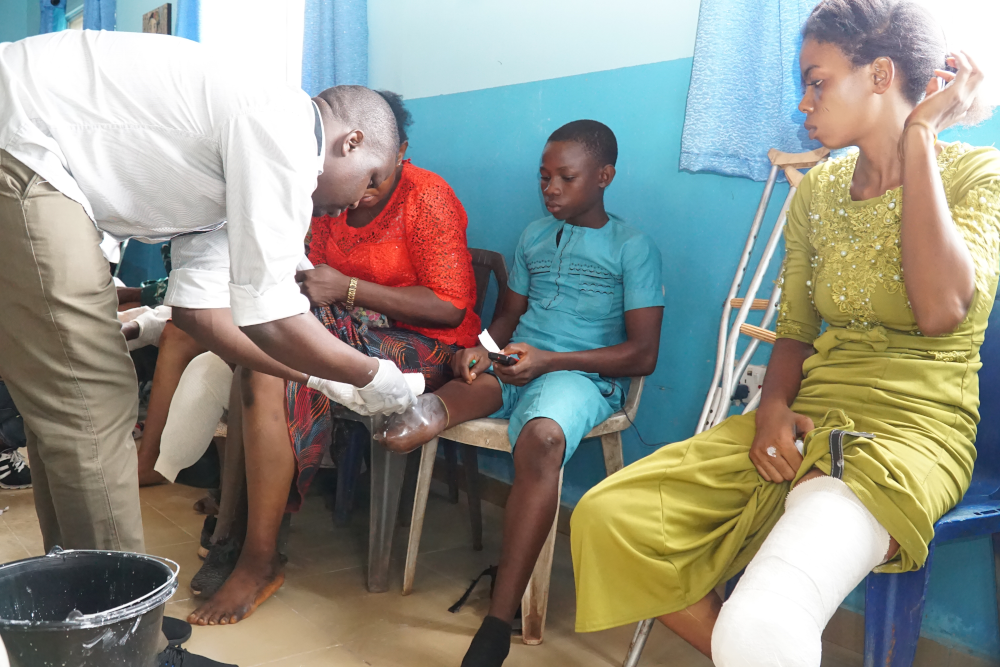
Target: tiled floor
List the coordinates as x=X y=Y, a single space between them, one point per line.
x=323 y=616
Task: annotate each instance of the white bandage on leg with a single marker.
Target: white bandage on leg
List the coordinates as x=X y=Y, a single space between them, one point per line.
x=824 y=545
x=201 y=397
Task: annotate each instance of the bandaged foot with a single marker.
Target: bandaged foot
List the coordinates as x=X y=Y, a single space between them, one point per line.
x=400 y=389
x=823 y=546
x=417 y=425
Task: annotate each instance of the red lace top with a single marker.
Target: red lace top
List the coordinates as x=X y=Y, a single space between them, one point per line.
x=417 y=239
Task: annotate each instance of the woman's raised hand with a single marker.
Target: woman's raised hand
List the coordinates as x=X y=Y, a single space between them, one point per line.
x=948 y=103
x=323 y=285
x=773 y=452
x=470 y=362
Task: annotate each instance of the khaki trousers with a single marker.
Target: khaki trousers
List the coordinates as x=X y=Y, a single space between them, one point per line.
x=66 y=364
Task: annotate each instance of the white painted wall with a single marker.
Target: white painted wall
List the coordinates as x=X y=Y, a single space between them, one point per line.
x=263 y=38
x=420 y=48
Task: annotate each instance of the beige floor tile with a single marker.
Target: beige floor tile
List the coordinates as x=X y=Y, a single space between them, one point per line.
x=161 y=531
x=274 y=632
x=175 y=502
x=21 y=520
x=324 y=616
x=10 y=547
x=17 y=499
x=333 y=656
x=339 y=603
x=168 y=497
x=838 y=656
x=387 y=645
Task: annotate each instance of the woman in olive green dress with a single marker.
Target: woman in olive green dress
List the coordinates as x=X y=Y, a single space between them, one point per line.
x=895 y=247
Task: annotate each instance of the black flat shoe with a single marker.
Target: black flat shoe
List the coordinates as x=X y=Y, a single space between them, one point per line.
x=207 y=531
x=178 y=657
x=219 y=564
x=176 y=631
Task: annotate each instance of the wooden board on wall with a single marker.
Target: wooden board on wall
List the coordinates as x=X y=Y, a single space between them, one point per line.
x=158 y=21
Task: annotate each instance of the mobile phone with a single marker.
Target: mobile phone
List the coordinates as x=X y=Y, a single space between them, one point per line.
x=502 y=358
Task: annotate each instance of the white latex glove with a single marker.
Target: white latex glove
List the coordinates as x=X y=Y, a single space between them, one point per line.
x=351 y=397
x=151 y=325
x=132 y=313
x=338 y=392
x=388 y=392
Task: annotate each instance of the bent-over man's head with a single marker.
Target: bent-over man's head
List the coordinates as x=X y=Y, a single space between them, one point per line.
x=361 y=146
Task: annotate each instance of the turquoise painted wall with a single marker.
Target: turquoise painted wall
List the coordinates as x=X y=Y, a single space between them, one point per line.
x=18 y=19
x=486 y=144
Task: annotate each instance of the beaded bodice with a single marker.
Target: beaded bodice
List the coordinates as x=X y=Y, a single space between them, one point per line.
x=848 y=255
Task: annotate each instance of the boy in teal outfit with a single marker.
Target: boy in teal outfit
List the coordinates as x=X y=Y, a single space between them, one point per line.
x=582 y=314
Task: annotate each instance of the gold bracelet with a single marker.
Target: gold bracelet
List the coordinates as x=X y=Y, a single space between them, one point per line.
x=351 y=292
x=447 y=415
x=923 y=123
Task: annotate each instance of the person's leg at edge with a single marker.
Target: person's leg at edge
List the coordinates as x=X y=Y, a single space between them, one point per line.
x=231 y=515
x=270 y=466
x=528 y=517
x=696 y=623
x=177 y=349
x=233 y=497
x=67 y=367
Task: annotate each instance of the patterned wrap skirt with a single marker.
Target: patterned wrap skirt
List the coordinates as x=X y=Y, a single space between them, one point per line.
x=310 y=420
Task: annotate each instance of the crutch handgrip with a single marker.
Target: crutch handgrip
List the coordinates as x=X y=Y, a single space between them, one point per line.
x=758 y=304
x=763 y=335
x=797 y=160
x=794 y=176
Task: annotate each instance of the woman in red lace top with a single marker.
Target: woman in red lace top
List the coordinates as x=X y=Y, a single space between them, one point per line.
x=409 y=254
x=413 y=298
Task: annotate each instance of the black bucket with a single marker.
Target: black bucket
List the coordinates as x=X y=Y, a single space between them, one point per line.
x=85 y=608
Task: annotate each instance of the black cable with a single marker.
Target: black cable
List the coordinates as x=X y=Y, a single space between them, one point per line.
x=639 y=435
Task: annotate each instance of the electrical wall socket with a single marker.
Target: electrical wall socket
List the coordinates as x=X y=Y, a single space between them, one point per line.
x=753 y=379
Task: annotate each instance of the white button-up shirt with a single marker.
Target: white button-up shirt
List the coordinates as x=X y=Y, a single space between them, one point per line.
x=156 y=141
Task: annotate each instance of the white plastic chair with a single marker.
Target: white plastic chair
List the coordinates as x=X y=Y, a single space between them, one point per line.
x=492 y=434
x=728 y=369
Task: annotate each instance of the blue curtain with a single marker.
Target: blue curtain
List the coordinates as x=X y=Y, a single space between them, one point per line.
x=99 y=14
x=51 y=18
x=335 y=44
x=189 y=19
x=745 y=87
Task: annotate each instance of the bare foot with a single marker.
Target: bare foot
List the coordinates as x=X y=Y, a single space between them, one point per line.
x=247 y=587
x=416 y=425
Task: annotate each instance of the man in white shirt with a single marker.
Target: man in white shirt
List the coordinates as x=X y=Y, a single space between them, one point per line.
x=125 y=135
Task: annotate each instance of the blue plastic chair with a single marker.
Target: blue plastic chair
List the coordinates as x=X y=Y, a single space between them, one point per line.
x=894 y=603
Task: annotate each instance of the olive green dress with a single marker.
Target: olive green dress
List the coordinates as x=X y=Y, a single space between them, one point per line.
x=659 y=535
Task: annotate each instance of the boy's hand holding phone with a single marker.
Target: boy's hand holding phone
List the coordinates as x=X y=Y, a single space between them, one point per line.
x=531 y=362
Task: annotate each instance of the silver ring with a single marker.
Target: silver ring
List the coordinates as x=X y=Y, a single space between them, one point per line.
x=772 y=452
